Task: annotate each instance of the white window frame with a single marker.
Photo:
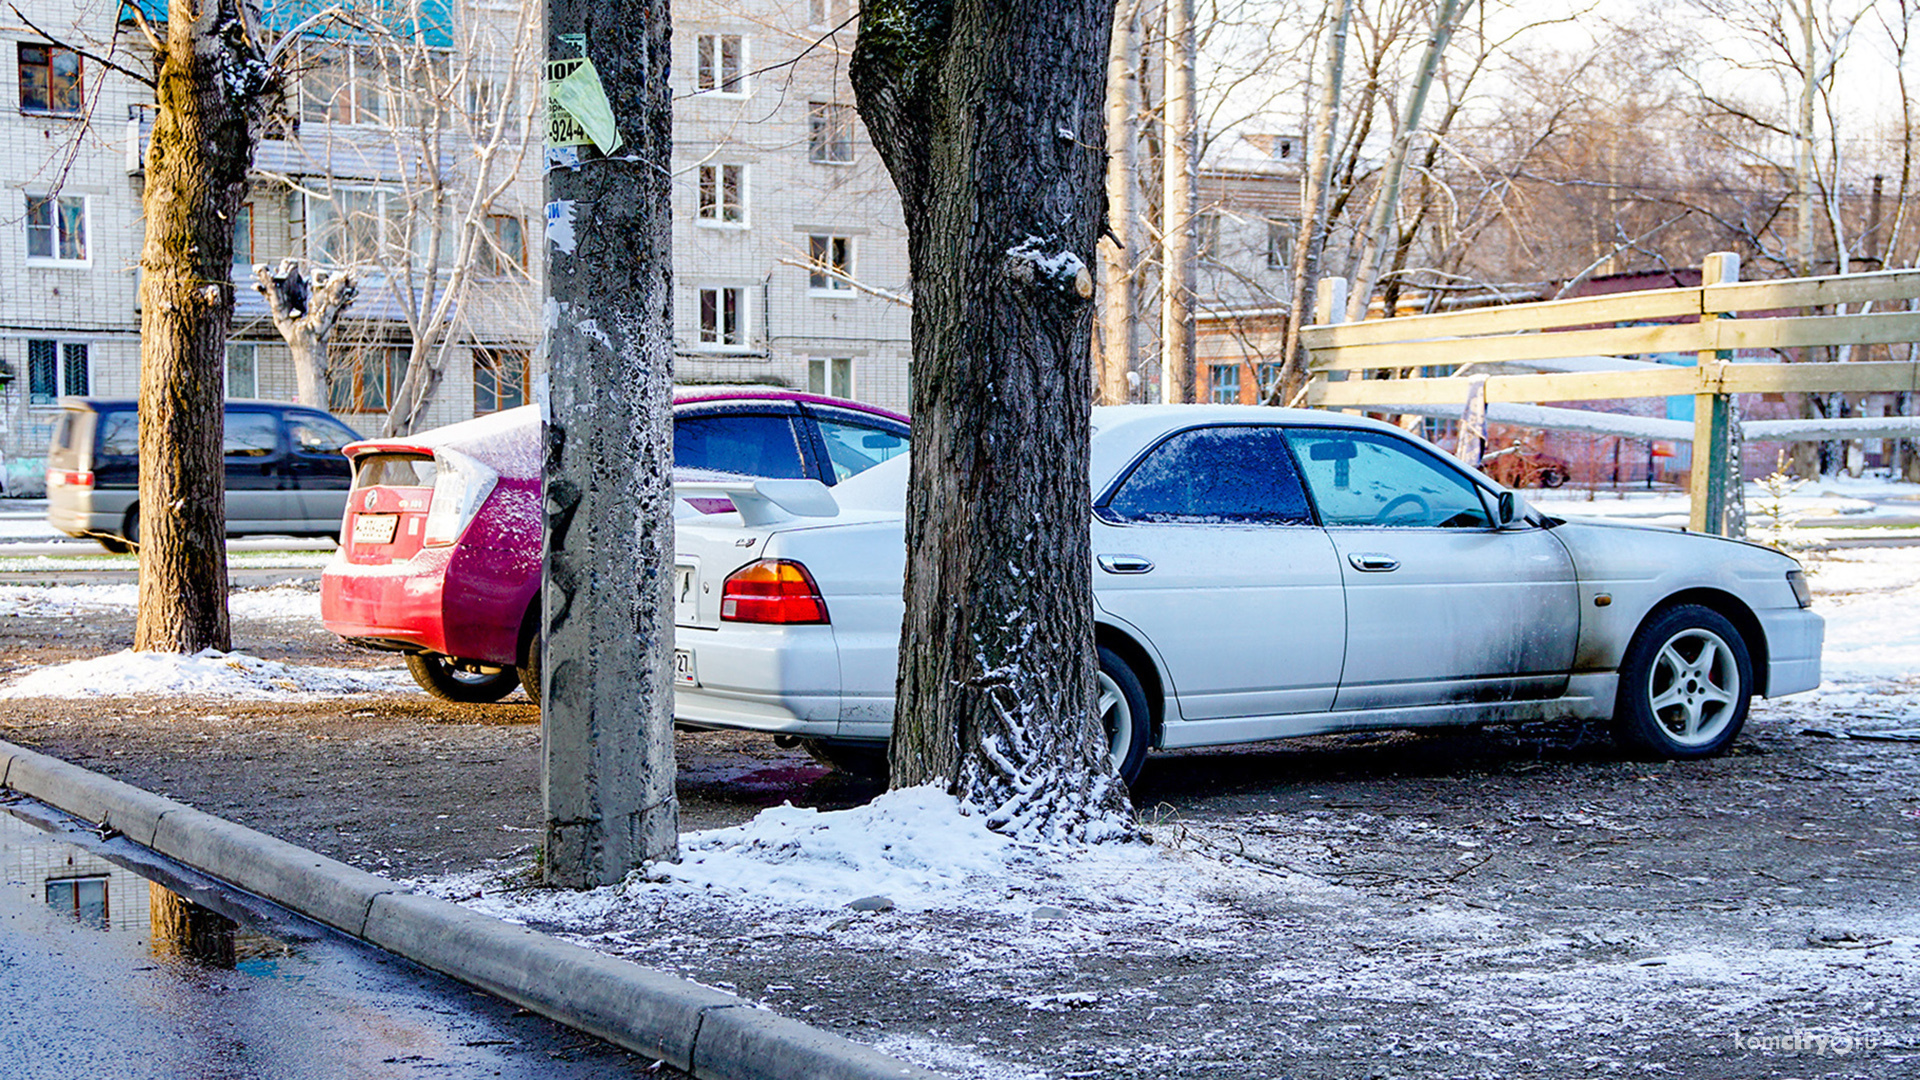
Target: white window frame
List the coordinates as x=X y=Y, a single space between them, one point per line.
x=713 y=337
x=62 y=386
x=52 y=200
x=820 y=373
x=718 y=220
x=826 y=14
x=709 y=54
x=822 y=283
x=251 y=351
x=816 y=111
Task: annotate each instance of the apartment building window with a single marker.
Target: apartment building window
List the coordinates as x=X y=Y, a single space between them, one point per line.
x=1279 y=244
x=826 y=13
x=1223 y=380
x=49 y=79
x=829 y=133
x=830 y=264
x=57 y=228
x=83 y=898
x=719 y=61
x=830 y=375
x=723 y=194
x=365 y=379
x=243 y=236
x=503 y=245
x=499 y=379
x=723 y=318
x=357 y=226
x=243 y=370
x=55 y=368
x=1206 y=237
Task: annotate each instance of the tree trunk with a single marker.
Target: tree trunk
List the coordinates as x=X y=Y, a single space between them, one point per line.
x=305 y=316
x=1178 y=252
x=990 y=119
x=1310 y=242
x=1386 y=200
x=212 y=84
x=607 y=667
x=1119 y=255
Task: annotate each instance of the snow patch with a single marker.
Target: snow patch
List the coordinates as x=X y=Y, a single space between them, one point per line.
x=208 y=673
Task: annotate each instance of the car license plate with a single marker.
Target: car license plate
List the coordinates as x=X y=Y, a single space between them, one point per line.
x=683 y=668
x=375 y=528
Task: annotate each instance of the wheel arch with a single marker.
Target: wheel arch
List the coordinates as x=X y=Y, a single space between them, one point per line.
x=1129 y=649
x=1729 y=607
x=529 y=626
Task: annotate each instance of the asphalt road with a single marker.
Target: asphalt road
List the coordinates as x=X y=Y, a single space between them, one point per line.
x=254 y=992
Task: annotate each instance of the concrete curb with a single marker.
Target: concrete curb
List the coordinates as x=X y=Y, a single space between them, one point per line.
x=706 y=1032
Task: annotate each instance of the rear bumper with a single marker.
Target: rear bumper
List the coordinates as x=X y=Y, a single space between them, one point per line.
x=782 y=680
x=396 y=602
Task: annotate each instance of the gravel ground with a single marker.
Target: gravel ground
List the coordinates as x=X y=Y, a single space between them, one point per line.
x=1463 y=904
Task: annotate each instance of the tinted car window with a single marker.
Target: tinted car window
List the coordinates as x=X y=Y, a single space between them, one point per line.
x=252 y=434
x=1370 y=478
x=117 y=434
x=1229 y=475
x=318 y=434
x=395 y=470
x=743 y=443
x=855 y=448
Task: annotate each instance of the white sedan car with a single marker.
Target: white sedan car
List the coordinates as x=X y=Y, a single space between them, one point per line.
x=1262 y=573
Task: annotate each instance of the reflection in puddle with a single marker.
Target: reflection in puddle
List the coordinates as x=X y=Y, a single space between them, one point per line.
x=100 y=894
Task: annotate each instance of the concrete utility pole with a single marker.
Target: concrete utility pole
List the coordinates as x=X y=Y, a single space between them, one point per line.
x=607 y=676
x=1177 y=209
x=1118 y=258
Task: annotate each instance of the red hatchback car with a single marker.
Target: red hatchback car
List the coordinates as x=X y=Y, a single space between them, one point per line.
x=440 y=544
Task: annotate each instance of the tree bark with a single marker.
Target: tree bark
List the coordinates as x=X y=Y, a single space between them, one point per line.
x=1119 y=255
x=990 y=119
x=305 y=315
x=1310 y=242
x=607 y=667
x=212 y=85
x=1178 y=251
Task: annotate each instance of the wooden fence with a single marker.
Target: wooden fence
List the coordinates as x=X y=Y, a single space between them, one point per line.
x=1373 y=365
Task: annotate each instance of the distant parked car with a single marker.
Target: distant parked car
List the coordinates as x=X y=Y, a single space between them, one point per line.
x=1521 y=466
x=1262 y=573
x=283 y=465
x=440 y=548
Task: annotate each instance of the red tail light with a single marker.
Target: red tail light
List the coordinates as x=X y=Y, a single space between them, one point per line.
x=61 y=478
x=772 y=591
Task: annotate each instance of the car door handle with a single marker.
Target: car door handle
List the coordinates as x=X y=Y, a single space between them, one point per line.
x=1373 y=563
x=1125 y=564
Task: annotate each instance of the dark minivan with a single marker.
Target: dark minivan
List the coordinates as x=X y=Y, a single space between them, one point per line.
x=285 y=472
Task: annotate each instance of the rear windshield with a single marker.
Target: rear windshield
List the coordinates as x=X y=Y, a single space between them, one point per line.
x=393 y=470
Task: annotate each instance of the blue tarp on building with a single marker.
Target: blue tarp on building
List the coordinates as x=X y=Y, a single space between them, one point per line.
x=430 y=21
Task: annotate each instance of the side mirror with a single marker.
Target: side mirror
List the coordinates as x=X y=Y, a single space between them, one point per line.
x=1508 y=508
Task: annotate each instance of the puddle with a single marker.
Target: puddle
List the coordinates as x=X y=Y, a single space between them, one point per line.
x=117 y=962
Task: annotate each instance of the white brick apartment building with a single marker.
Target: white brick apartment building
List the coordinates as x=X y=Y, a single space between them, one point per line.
x=789 y=245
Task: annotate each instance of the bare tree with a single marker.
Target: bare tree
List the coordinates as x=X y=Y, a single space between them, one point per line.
x=445 y=112
x=990 y=118
x=305 y=314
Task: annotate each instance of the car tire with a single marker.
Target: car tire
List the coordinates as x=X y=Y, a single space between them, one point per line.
x=130 y=528
x=1685 y=685
x=115 y=545
x=1552 y=478
x=444 y=678
x=866 y=759
x=1123 y=712
x=530 y=670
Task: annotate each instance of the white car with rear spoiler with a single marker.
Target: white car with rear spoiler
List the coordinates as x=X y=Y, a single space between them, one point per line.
x=1260 y=573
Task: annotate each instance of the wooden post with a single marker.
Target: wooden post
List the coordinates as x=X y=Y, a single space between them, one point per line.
x=1711 y=486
